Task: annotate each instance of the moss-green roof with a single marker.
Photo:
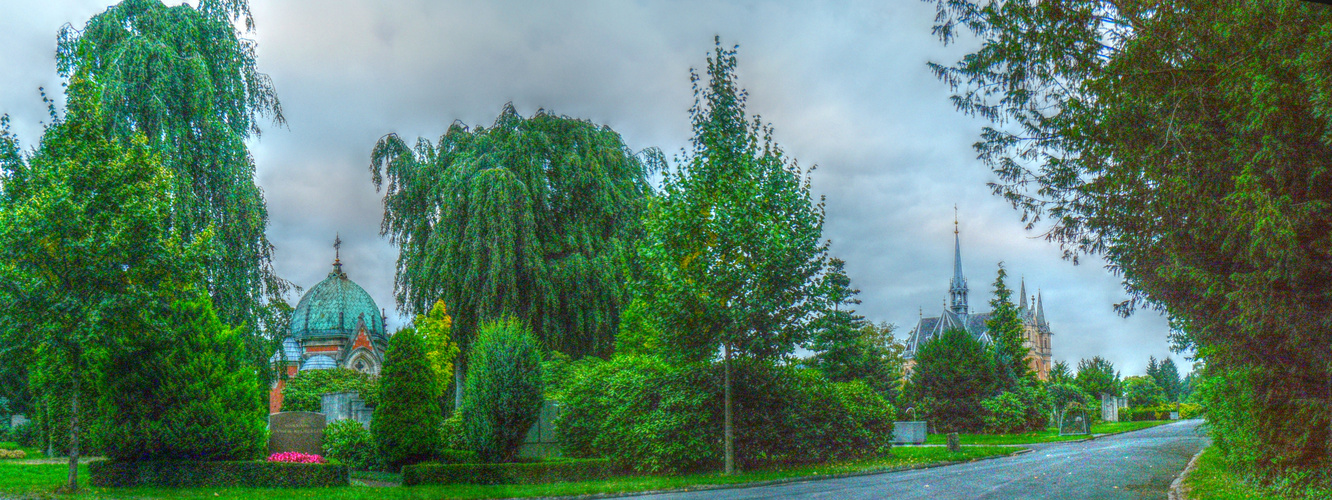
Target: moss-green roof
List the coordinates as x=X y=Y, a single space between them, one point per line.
x=334 y=307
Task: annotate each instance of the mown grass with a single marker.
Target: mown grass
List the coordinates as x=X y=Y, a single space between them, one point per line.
x=1045 y=436
x=1212 y=480
x=42 y=480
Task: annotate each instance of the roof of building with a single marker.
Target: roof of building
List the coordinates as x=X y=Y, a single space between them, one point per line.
x=291 y=350
x=336 y=306
x=320 y=362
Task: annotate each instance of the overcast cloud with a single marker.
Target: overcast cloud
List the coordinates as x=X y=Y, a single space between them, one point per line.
x=845 y=86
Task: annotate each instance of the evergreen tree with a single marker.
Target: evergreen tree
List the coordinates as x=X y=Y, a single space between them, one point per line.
x=407 y=421
x=1097 y=376
x=1005 y=329
x=534 y=218
x=1167 y=376
x=504 y=391
x=180 y=389
x=1059 y=373
x=733 y=254
x=952 y=376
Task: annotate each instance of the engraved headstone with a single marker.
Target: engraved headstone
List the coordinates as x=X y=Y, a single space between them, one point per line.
x=299 y=431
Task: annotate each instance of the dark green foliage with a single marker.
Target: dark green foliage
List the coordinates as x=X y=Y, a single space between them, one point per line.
x=451 y=433
x=1143 y=391
x=508 y=473
x=27 y=435
x=347 y=441
x=951 y=377
x=1166 y=376
x=533 y=217
x=451 y=456
x=847 y=348
x=1008 y=350
x=503 y=394
x=648 y=416
x=303 y=392
x=1060 y=373
x=1062 y=394
x=189 y=474
x=1097 y=376
x=185 y=78
x=407 y=420
x=181 y=390
x=1003 y=414
x=1186 y=143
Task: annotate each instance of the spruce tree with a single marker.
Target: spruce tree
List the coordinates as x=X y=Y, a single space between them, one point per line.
x=504 y=390
x=952 y=376
x=406 y=423
x=1006 y=333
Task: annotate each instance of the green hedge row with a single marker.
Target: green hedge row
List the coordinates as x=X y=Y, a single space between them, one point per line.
x=1162 y=412
x=221 y=474
x=508 y=473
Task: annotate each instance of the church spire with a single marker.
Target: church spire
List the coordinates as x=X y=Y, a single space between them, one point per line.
x=337 y=256
x=957 y=290
x=1040 y=310
x=1022 y=296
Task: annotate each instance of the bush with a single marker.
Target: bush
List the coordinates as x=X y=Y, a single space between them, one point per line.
x=508 y=473
x=27 y=434
x=450 y=433
x=648 y=416
x=348 y=442
x=13 y=454
x=305 y=391
x=182 y=391
x=457 y=457
x=1004 y=414
x=219 y=474
x=406 y=424
x=503 y=390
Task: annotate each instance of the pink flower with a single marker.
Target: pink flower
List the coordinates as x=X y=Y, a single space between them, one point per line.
x=296 y=457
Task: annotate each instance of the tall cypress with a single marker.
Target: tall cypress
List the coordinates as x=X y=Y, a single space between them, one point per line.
x=406 y=424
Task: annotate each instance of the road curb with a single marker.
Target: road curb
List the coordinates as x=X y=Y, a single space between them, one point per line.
x=1177 y=490
x=789 y=480
x=1108 y=434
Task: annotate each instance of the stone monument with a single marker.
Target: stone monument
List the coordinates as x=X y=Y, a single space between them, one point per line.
x=298 y=431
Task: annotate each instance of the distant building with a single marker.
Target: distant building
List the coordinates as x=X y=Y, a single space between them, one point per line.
x=335 y=325
x=957 y=315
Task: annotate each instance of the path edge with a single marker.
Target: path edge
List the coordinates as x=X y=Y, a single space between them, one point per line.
x=1177 y=489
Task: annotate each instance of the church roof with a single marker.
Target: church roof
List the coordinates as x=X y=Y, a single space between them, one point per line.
x=290 y=349
x=320 y=362
x=336 y=306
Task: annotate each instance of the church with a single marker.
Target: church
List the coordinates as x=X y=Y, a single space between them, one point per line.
x=1036 y=331
x=336 y=324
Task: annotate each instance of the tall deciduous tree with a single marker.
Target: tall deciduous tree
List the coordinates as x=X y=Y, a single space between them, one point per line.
x=1005 y=328
x=1187 y=143
x=534 y=218
x=87 y=242
x=1097 y=376
x=186 y=79
x=734 y=253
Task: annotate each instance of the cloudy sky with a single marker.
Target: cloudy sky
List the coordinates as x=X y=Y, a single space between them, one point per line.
x=844 y=84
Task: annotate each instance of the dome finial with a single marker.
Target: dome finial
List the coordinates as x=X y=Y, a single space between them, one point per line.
x=337 y=254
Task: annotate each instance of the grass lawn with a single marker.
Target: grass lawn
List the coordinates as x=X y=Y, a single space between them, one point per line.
x=41 y=480
x=1045 y=436
x=1212 y=481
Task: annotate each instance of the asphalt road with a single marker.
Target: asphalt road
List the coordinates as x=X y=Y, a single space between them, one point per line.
x=1132 y=465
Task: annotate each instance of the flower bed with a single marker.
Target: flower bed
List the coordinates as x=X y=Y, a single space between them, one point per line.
x=13 y=454
x=295 y=457
x=222 y=474
x=510 y=473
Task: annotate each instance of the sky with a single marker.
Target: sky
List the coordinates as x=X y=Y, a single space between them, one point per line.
x=844 y=84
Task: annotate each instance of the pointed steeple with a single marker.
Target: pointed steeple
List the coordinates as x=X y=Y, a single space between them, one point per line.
x=1040 y=310
x=957 y=290
x=337 y=257
x=1022 y=296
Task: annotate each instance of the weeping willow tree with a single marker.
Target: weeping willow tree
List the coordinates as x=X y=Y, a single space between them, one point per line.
x=533 y=217
x=186 y=79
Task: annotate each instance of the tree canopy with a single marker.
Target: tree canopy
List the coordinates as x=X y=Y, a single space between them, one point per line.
x=532 y=217
x=1097 y=376
x=951 y=377
x=1005 y=328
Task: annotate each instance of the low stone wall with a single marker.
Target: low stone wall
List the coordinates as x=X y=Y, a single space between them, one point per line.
x=912 y=432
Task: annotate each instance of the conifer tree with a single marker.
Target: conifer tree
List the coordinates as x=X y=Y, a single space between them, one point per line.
x=406 y=424
x=1005 y=329
x=951 y=377
x=504 y=392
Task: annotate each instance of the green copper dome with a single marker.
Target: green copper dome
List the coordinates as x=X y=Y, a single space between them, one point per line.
x=335 y=307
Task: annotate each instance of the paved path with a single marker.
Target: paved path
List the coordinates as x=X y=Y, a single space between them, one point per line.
x=1134 y=465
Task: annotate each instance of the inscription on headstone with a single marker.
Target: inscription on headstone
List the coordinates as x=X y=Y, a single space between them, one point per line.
x=299 y=431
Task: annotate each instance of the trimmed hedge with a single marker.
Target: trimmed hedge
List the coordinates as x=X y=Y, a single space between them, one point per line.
x=220 y=474
x=508 y=473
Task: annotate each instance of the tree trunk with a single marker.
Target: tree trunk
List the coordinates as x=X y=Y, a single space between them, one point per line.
x=50 y=429
x=729 y=431
x=458 y=384
x=74 y=433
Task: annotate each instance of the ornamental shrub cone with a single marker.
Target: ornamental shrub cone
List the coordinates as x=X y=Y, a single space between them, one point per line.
x=503 y=392
x=181 y=391
x=407 y=421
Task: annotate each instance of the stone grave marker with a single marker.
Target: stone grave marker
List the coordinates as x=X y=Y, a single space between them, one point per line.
x=299 y=431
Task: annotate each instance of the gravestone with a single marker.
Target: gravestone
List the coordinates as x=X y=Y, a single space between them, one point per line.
x=911 y=432
x=17 y=420
x=298 y=431
x=345 y=405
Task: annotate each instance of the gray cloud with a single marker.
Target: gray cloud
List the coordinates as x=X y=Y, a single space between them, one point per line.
x=845 y=85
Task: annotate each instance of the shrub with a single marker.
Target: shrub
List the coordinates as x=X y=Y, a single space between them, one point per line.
x=450 y=433
x=348 y=442
x=457 y=457
x=407 y=421
x=182 y=391
x=13 y=454
x=648 y=416
x=1004 y=414
x=218 y=474
x=508 y=473
x=295 y=457
x=26 y=434
x=503 y=390
x=305 y=391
